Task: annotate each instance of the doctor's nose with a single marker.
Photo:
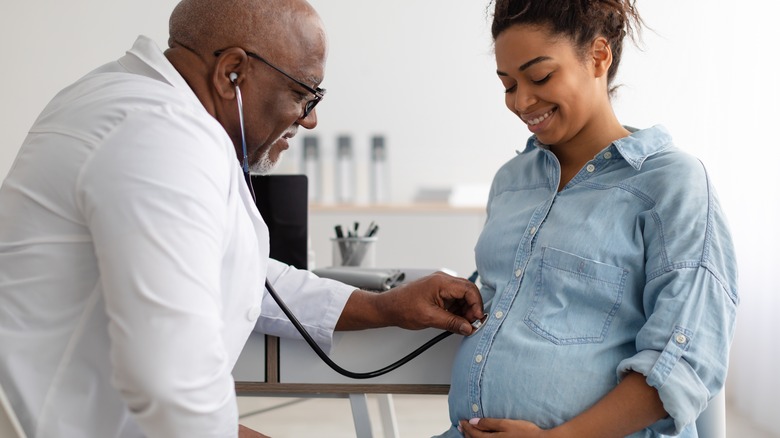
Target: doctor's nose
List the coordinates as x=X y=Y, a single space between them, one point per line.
x=309 y=121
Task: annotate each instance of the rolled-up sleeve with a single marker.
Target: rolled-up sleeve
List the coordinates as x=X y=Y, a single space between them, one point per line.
x=683 y=348
x=691 y=299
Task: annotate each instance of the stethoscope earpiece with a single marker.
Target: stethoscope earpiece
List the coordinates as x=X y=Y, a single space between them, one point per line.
x=245 y=162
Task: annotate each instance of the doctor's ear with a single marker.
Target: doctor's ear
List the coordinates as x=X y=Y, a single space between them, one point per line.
x=231 y=64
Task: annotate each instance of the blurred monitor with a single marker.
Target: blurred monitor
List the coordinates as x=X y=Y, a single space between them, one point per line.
x=283 y=203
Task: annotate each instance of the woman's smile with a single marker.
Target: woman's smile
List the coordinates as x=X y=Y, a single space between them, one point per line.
x=536 y=122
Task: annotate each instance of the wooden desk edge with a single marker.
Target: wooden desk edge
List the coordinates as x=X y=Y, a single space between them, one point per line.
x=272 y=387
x=279 y=389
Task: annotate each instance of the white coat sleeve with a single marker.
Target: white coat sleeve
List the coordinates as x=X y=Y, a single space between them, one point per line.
x=154 y=198
x=316 y=302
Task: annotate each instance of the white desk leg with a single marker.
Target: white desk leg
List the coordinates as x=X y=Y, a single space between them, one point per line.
x=360 y=415
x=387 y=414
x=712 y=422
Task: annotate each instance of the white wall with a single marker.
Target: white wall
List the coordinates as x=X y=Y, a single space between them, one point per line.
x=47 y=44
x=422 y=73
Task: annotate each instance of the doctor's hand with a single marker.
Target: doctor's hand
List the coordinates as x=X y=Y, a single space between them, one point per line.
x=438 y=300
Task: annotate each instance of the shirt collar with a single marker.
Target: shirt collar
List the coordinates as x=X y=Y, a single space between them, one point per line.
x=146 y=58
x=635 y=149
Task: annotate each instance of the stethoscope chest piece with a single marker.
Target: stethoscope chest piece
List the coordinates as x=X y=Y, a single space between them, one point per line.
x=478 y=324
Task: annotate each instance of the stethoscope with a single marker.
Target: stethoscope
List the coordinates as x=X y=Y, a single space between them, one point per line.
x=306 y=336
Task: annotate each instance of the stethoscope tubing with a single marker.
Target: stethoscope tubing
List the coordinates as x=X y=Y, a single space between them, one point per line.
x=306 y=336
x=330 y=362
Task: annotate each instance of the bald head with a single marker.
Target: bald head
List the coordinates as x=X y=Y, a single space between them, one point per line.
x=273 y=51
x=271 y=27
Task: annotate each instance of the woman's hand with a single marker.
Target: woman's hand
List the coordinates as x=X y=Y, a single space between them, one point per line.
x=630 y=407
x=500 y=428
x=245 y=432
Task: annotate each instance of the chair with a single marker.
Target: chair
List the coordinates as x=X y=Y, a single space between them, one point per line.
x=712 y=421
x=9 y=424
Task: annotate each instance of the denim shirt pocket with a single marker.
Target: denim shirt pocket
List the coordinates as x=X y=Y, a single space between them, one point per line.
x=575 y=298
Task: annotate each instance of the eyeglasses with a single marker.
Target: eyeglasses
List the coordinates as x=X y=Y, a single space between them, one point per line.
x=318 y=92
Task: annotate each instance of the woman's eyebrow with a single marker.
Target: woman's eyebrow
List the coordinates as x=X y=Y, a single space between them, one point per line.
x=527 y=65
x=536 y=60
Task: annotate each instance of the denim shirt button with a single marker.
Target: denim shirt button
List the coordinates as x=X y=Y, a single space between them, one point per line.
x=607 y=155
x=590 y=168
x=478 y=358
x=680 y=339
x=533 y=230
x=499 y=314
x=518 y=273
x=475 y=408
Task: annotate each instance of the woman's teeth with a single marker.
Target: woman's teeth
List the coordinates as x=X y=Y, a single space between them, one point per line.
x=540 y=119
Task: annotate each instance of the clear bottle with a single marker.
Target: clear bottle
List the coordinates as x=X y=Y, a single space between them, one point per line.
x=345 y=170
x=312 y=167
x=379 y=189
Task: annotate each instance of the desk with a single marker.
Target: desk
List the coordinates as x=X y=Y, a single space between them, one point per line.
x=270 y=366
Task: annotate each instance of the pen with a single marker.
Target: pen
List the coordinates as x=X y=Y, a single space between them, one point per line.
x=370 y=227
x=342 y=243
x=362 y=246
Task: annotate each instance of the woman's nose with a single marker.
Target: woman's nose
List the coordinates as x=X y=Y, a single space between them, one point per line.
x=523 y=100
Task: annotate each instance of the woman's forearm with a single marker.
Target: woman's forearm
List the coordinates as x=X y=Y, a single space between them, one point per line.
x=632 y=406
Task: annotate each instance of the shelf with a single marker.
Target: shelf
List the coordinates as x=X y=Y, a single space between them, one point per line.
x=393 y=208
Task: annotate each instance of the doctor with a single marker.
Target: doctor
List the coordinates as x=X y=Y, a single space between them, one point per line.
x=132 y=257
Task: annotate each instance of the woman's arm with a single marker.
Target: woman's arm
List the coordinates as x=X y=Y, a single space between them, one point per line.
x=632 y=406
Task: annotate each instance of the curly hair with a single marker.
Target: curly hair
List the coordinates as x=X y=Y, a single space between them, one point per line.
x=579 y=20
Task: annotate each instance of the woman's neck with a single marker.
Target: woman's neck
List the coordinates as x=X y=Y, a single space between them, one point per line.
x=575 y=153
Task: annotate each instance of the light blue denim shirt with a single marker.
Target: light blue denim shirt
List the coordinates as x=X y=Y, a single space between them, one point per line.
x=629 y=268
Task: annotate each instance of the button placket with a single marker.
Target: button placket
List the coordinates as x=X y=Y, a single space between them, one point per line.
x=482 y=349
x=501 y=304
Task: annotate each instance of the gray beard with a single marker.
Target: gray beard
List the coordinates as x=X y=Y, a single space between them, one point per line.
x=265 y=165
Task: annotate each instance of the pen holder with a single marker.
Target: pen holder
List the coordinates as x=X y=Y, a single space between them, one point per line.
x=354 y=251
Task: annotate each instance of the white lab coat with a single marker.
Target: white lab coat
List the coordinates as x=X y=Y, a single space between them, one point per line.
x=132 y=262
